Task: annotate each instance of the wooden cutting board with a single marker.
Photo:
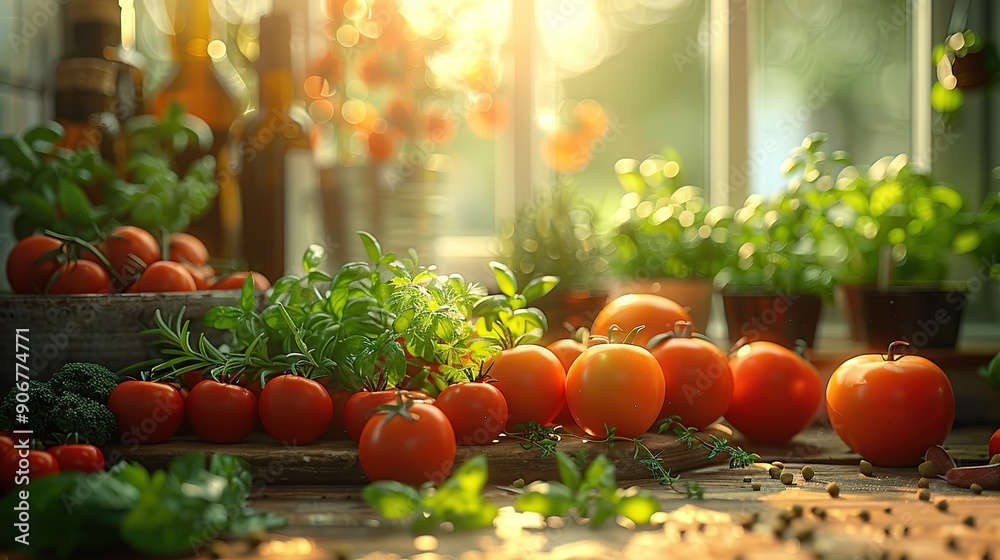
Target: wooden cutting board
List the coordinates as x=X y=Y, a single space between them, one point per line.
x=336 y=462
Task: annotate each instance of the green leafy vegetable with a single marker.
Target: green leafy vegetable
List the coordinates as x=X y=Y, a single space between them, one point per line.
x=165 y=513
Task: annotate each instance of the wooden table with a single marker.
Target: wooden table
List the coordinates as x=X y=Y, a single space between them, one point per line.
x=874 y=517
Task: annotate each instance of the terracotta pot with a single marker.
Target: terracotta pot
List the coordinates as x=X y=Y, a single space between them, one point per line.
x=779 y=318
x=924 y=317
x=693 y=293
x=568 y=310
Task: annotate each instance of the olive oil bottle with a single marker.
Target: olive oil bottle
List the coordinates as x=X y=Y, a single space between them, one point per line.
x=279 y=181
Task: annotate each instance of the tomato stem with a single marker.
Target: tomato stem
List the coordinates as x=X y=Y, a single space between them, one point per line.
x=891 y=355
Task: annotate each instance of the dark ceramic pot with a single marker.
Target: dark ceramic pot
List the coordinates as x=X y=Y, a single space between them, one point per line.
x=924 y=317
x=779 y=318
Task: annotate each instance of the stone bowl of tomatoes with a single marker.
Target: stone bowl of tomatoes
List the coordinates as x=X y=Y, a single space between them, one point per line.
x=73 y=305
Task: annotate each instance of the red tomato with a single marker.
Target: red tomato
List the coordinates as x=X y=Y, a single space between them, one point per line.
x=125 y=244
x=360 y=407
x=81 y=277
x=294 y=410
x=186 y=248
x=235 y=281
x=477 y=412
x=567 y=350
x=890 y=409
x=618 y=385
x=146 y=411
x=25 y=272
x=192 y=378
x=411 y=450
x=6 y=444
x=81 y=457
x=776 y=392
x=201 y=275
x=532 y=381
x=656 y=314
x=337 y=430
x=18 y=466
x=220 y=412
x=699 y=384
x=166 y=276
x=994 y=444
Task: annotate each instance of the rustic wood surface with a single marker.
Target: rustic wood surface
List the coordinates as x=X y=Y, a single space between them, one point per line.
x=336 y=462
x=874 y=517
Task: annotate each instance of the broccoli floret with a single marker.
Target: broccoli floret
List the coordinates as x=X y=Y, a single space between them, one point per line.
x=93 y=381
x=40 y=401
x=89 y=419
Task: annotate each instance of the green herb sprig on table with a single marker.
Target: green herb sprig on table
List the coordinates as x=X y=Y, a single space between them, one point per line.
x=163 y=513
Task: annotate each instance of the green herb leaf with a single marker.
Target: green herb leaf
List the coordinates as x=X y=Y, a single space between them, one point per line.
x=45 y=132
x=222 y=318
x=505 y=278
x=371 y=245
x=545 y=498
x=313 y=257
x=248 y=300
x=393 y=500
x=569 y=473
x=638 y=507
x=18 y=154
x=539 y=287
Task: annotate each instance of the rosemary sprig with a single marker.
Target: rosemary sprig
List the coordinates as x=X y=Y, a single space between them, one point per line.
x=738 y=458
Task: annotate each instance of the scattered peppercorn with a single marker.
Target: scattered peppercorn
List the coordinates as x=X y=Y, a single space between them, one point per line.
x=755 y=486
x=808 y=473
x=778 y=464
x=942 y=504
x=927 y=469
x=923 y=483
x=865 y=468
x=865 y=515
x=796 y=510
x=819 y=512
x=787 y=477
x=519 y=483
x=775 y=472
x=969 y=520
x=995 y=459
x=833 y=489
x=924 y=494
x=976 y=488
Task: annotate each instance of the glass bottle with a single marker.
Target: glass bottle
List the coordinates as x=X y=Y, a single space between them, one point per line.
x=279 y=180
x=195 y=85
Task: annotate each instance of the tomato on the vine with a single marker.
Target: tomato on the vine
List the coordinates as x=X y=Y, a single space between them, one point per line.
x=125 y=244
x=477 y=411
x=235 y=281
x=202 y=275
x=616 y=386
x=186 y=248
x=80 y=457
x=166 y=276
x=656 y=314
x=294 y=410
x=698 y=382
x=80 y=277
x=889 y=408
x=221 y=412
x=533 y=383
x=776 y=392
x=146 y=411
x=413 y=444
x=361 y=405
x=18 y=466
x=27 y=271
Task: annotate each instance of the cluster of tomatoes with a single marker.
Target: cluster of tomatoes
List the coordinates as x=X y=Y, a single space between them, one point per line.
x=127 y=259
x=21 y=462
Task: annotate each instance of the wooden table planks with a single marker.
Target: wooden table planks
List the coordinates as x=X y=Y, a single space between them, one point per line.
x=336 y=462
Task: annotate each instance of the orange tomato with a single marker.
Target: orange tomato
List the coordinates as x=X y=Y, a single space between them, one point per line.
x=186 y=248
x=698 y=382
x=235 y=281
x=656 y=313
x=615 y=385
x=533 y=383
x=567 y=350
x=890 y=409
x=166 y=276
x=776 y=392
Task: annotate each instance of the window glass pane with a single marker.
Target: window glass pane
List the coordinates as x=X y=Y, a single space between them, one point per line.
x=644 y=62
x=841 y=67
